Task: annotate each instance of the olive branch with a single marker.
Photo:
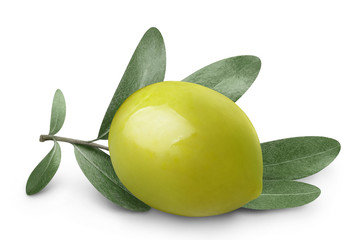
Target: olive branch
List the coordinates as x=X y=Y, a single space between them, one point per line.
x=284 y=160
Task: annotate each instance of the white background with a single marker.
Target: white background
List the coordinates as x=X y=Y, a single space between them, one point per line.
x=309 y=84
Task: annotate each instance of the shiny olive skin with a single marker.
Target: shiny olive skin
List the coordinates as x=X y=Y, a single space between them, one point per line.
x=186 y=149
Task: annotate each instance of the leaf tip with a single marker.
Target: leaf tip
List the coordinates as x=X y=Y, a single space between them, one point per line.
x=28 y=190
x=58 y=91
x=256 y=60
x=339 y=146
x=315 y=194
x=156 y=34
x=154 y=30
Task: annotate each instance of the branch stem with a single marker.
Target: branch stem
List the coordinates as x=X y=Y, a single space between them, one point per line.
x=44 y=138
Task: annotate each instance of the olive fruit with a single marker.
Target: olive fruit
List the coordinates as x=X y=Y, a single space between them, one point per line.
x=185 y=149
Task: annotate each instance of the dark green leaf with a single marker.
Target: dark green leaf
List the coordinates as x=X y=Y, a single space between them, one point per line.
x=97 y=167
x=294 y=158
x=146 y=66
x=278 y=194
x=45 y=171
x=58 y=112
x=232 y=76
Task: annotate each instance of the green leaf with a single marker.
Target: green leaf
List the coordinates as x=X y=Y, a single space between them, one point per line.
x=97 y=167
x=294 y=158
x=232 y=76
x=278 y=194
x=44 y=171
x=146 y=66
x=58 y=112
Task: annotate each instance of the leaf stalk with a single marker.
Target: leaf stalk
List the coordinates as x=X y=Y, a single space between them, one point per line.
x=44 y=138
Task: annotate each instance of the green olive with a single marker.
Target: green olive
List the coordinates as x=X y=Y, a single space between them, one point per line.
x=186 y=149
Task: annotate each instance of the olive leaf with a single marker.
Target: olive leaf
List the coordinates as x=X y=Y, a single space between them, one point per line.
x=278 y=194
x=97 y=167
x=44 y=171
x=146 y=66
x=299 y=157
x=58 y=112
x=232 y=76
